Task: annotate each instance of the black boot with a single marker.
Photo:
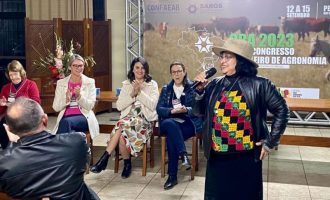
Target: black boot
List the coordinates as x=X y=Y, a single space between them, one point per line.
x=101 y=164
x=171 y=182
x=185 y=160
x=127 y=168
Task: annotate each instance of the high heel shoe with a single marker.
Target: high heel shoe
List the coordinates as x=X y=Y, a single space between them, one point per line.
x=101 y=164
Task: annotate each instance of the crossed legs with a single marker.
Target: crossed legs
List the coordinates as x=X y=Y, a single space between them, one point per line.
x=116 y=140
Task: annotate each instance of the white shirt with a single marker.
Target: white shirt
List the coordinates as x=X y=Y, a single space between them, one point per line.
x=178 y=90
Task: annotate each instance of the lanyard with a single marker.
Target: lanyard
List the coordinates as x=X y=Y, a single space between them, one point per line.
x=20 y=87
x=232 y=84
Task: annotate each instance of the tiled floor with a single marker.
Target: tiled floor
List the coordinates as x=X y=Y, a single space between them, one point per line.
x=292 y=172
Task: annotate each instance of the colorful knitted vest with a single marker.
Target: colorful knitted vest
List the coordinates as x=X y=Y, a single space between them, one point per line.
x=231 y=123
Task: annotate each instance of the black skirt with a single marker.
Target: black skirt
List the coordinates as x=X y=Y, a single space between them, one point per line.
x=235 y=176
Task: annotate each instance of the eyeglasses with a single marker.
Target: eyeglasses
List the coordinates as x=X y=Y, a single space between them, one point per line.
x=225 y=57
x=176 y=72
x=77 y=66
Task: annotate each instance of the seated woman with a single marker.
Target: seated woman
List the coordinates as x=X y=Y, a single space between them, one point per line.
x=137 y=102
x=177 y=122
x=19 y=86
x=75 y=97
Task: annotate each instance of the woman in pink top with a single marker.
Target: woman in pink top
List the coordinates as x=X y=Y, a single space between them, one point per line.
x=19 y=86
x=75 y=97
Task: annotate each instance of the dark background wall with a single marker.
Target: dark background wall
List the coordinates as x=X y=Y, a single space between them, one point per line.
x=12 y=39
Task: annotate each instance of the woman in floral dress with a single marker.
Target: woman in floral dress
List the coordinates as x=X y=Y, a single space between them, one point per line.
x=137 y=102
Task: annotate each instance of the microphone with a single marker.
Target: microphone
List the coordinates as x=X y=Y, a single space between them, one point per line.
x=208 y=74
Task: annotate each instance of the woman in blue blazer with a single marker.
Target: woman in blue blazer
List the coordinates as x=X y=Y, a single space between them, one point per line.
x=176 y=120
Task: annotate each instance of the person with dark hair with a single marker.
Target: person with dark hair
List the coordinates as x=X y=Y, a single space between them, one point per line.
x=19 y=86
x=76 y=106
x=137 y=102
x=235 y=135
x=41 y=164
x=176 y=119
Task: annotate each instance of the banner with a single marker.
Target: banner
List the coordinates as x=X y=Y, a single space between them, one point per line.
x=290 y=37
x=300 y=93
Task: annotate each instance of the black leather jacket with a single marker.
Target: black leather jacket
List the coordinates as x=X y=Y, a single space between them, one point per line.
x=45 y=165
x=261 y=95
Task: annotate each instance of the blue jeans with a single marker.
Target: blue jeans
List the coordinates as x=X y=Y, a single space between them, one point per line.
x=77 y=123
x=176 y=133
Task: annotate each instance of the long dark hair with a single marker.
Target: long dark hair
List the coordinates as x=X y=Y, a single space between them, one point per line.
x=244 y=67
x=145 y=65
x=185 y=78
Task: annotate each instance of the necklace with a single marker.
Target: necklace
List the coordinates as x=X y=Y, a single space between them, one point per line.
x=18 y=89
x=231 y=87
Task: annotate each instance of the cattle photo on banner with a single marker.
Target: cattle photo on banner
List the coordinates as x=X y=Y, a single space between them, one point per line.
x=291 y=38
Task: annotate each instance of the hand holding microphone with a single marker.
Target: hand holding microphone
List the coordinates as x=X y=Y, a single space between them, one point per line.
x=201 y=79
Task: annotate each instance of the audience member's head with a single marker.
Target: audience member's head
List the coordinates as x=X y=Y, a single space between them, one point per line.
x=25 y=116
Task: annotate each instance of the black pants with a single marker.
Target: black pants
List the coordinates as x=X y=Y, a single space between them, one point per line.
x=4 y=140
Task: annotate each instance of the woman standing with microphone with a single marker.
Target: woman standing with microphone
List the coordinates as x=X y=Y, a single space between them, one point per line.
x=235 y=135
